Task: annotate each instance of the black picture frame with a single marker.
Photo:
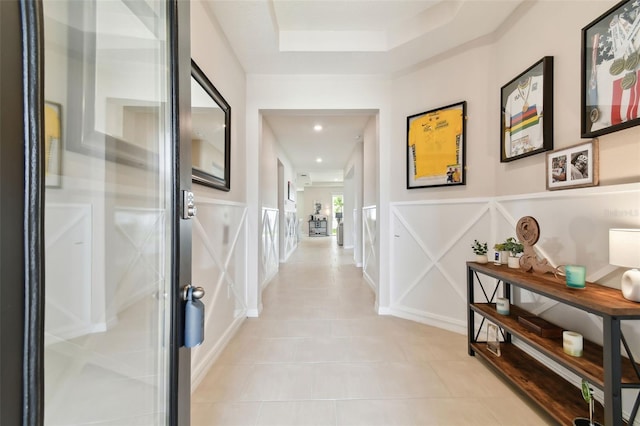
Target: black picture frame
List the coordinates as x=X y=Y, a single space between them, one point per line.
x=610 y=71
x=436 y=147
x=83 y=135
x=212 y=176
x=526 y=119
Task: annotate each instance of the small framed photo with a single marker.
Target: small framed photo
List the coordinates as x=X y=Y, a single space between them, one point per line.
x=527 y=112
x=52 y=144
x=610 y=73
x=493 y=339
x=436 y=147
x=573 y=167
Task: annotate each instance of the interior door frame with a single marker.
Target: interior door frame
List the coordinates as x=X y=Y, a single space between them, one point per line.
x=180 y=369
x=22 y=279
x=22 y=219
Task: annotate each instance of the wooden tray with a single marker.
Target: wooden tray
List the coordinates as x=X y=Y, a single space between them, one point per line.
x=540 y=326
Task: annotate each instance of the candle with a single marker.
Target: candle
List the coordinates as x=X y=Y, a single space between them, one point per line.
x=572 y=343
x=502 y=305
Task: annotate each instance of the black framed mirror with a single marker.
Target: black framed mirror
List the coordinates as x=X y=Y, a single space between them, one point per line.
x=210 y=133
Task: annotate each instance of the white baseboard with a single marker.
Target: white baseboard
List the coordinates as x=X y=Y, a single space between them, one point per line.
x=439 y=321
x=199 y=371
x=383 y=310
x=255 y=313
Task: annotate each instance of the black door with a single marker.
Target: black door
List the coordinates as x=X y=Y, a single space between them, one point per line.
x=93 y=164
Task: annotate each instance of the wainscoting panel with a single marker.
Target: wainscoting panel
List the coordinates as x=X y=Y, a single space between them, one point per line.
x=290 y=234
x=68 y=270
x=269 y=249
x=428 y=241
x=138 y=232
x=431 y=241
x=370 y=268
x=219 y=266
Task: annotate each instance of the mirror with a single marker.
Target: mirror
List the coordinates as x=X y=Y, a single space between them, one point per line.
x=210 y=133
x=113 y=106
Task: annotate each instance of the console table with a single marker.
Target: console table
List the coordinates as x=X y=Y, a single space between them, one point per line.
x=318 y=227
x=604 y=367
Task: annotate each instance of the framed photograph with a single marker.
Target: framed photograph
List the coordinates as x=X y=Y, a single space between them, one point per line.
x=493 y=339
x=52 y=144
x=573 y=167
x=610 y=74
x=291 y=191
x=527 y=112
x=436 y=147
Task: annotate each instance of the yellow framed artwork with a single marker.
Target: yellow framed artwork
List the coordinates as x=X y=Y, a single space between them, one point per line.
x=436 y=147
x=52 y=144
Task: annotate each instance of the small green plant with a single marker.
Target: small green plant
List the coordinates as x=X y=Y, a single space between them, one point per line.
x=479 y=248
x=513 y=246
x=499 y=247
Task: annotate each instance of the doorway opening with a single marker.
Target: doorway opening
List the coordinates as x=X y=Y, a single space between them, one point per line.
x=337 y=207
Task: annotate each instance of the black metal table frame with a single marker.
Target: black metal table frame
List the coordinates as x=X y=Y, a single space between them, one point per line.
x=612 y=337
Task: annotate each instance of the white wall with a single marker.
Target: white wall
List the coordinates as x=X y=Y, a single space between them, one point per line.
x=210 y=50
x=274 y=194
x=272 y=153
x=219 y=246
x=450 y=79
x=370 y=177
x=353 y=199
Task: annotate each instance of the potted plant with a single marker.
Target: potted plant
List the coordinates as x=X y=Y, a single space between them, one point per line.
x=514 y=247
x=480 y=249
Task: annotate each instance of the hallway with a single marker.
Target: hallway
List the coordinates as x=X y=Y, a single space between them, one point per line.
x=320 y=355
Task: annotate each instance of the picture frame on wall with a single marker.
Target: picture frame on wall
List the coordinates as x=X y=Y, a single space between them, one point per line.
x=610 y=73
x=291 y=191
x=576 y=166
x=436 y=147
x=526 y=119
x=52 y=144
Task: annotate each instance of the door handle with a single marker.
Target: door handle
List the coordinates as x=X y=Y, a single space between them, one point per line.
x=193 y=315
x=196 y=292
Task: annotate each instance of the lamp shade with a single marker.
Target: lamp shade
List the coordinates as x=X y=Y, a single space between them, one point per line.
x=624 y=247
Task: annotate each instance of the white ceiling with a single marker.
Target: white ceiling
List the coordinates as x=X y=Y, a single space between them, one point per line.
x=345 y=37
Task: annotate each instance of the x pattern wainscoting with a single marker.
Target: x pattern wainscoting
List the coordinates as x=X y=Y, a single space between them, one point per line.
x=269 y=248
x=429 y=239
x=68 y=269
x=369 y=247
x=290 y=234
x=219 y=266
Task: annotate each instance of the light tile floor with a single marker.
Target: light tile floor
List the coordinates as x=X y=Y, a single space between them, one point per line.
x=320 y=355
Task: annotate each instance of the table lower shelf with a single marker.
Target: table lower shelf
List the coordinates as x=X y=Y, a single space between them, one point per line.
x=559 y=398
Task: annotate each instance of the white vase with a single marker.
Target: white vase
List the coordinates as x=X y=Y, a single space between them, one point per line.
x=504 y=257
x=481 y=258
x=514 y=262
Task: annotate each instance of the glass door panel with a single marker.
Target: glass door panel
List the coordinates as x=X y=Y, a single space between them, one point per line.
x=107 y=212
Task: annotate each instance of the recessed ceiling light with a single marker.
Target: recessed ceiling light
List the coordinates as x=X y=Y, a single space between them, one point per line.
x=317 y=127
x=318 y=160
